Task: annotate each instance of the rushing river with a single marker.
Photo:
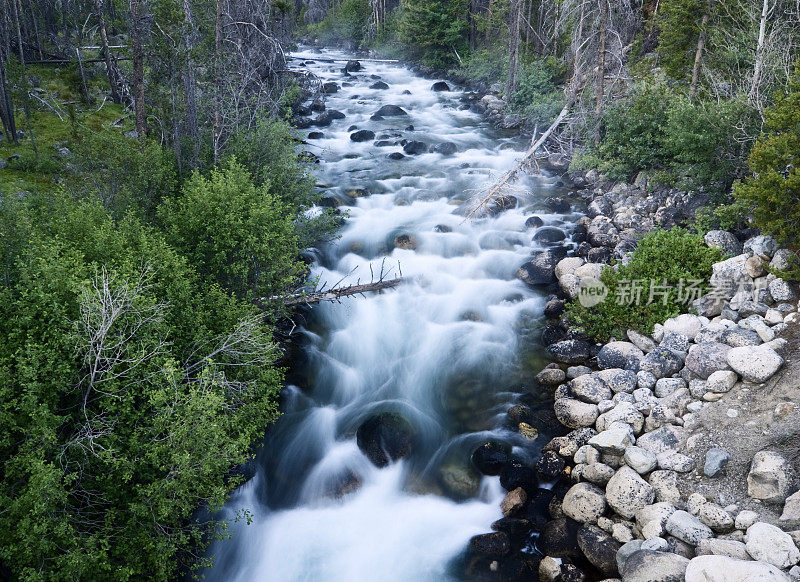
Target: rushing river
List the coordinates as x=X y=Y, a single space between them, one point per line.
x=450 y=350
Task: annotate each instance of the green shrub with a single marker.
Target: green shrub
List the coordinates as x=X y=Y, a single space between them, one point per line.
x=126 y=175
x=675 y=261
x=538 y=97
x=234 y=232
x=488 y=65
x=633 y=139
x=121 y=414
x=731 y=216
x=773 y=189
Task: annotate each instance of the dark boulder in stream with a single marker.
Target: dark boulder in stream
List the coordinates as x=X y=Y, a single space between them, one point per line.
x=414 y=148
x=329 y=88
x=362 y=135
x=352 y=66
x=541 y=269
x=385 y=437
x=379 y=85
x=439 y=86
x=491 y=457
x=391 y=111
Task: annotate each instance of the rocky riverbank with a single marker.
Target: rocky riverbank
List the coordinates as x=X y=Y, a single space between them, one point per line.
x=679 y=463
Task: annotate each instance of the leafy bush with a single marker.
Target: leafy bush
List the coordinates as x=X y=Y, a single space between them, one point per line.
x=488 y=65
x=124 y=174
x=697 y=144
x=672 y=260
x=537 y=95
x=633 y=138
x=122 y=411
x=773 y=189
x=728 y=215
x=234 y=232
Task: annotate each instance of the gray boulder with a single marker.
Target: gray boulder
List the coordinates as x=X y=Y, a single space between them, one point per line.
x=724 y=240
x=627 y=492
x=618 y=355
x=706 y=358
x=651 y=566
x=687 y=528
x=756 y=365
x=726 y=569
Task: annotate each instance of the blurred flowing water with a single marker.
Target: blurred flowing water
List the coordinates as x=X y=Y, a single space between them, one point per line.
x=450 y=350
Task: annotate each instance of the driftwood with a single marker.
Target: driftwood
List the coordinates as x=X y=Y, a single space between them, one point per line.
x=497 y=189
x=342 y=60
x=337 y=293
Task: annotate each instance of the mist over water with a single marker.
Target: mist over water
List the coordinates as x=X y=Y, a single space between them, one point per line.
x=447 y=349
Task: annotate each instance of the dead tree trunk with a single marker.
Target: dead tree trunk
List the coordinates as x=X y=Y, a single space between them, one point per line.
x=759 y=61
x=138 y=68
x=190 y=85
x=110 y=70
x=217 y=79
x=337 y=293
x=601 y=58
x=698 y=56
x=513 y=49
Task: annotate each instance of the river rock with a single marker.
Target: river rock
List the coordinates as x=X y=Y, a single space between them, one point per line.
x=549 y=234
x=362 y=135
x=716 y=460
x=724 y=240
x=721 y=381
x=540 y=270
x=761 y=245
x=439 y=86
x=768 y=543
x=570 y=351
x=726 y=569
x=641 y=341
x=590 y=389
x=661 y=362
x=600 y=206
x=584 y=502
x=727 y=275
x=652 y=566
x=494 y=544
x=720 y=547
x=385 y=437
x=686 y=324
x=599 y=548
x=665 y=484
x=597 y=473
x=627 y=492
x=706 y=358
x=549 y=466
x=391 y=111
x=790 y=517
x=568 y=266
x=618 y=380
x=329 y=88
x=573 y=413
x=618 y=355
x=551 y=376
x=780 y=290
x=380 y=85
x=715 y=517
x=756 y=365
x=559 y=539
x=513 y=501
x=517 y=474
x=615 y=440
x=624 y=412
x=414 y=148
x=640 y=460
x=687 y=528
x=491 y=457
x=771 y=477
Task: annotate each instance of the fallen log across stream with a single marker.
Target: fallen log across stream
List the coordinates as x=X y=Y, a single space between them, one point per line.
x=337 y=293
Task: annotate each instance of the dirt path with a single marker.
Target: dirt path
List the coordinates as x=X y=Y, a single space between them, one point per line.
x=746 y=420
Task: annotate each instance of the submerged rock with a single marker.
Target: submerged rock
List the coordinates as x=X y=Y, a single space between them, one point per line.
x=385 y=437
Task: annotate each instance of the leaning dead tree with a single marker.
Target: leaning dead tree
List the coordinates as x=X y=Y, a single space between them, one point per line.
x=339 y=290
